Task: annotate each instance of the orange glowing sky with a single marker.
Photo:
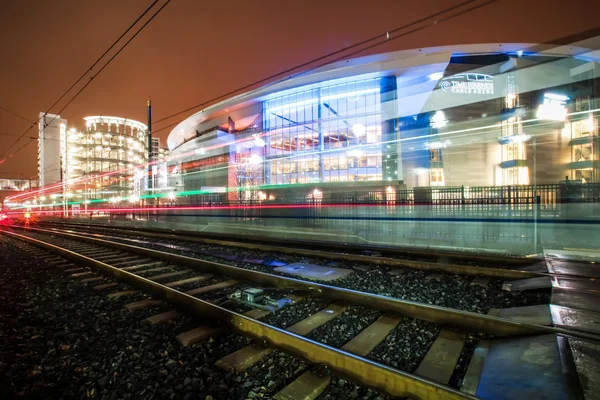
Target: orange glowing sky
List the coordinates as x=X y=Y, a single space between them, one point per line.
x=198 y=49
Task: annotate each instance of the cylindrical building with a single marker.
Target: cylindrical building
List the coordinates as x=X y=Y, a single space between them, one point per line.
x=108 y=144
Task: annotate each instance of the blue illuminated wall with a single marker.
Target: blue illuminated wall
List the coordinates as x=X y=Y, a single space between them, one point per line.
x=331 y=133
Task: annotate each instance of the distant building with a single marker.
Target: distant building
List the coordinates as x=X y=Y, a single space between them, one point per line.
x=52 y=131
x=10 y=186
x=159 y=168
x=466 y=115
x=110 y=153
x=158 y=151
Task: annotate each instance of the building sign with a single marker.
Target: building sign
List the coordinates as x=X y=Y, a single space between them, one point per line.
x=470 y=83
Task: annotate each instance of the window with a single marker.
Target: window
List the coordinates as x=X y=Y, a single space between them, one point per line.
x=437 y=176
x=583 y=128
x=516 y=176
x=582 y=152
x=514 y=151
x=582 y=103
x=435 y=155
x=334 y=117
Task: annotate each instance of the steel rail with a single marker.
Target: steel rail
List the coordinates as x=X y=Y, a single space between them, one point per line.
x=456 y=269
x=366 y=372
x=470 y=321
x=341 y=247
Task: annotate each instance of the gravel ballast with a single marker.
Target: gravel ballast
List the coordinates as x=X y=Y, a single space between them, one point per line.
x=59 y=339
x=448 y=290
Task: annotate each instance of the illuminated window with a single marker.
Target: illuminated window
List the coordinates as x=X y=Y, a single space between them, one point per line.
x=436 y=177
x=583 y=128
x=342 y=116
x=516 y=176
x=582 y=103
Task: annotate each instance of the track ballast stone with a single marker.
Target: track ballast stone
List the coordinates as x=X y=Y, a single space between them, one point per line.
x=60 y=339
x=452 y=291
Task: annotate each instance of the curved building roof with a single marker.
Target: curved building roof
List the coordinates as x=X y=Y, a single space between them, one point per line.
x=411 y=67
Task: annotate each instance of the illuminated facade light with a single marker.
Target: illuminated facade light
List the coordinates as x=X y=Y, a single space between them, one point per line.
x=514 y=139
x=556 y=97
x=359 y=129
x=442 y=144
x=258 y=141
x=439 y=120
x=254 y=159
x=551 y=112
x=553 y=108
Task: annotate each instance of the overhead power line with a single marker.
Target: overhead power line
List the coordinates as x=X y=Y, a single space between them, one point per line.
x=16 y=115
x=385 y=37
x=91 y=68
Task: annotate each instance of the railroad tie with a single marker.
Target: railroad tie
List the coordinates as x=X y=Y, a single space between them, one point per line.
x=94 y=279
x=163 y=317
x=473 y=374
x=138 y=305
x=196 y=335
x=116 y=295
x=189 y=280
x=248 y=356
x=139 y=266
x=440 y=361
x=311 y=384
x=306 y=387
x=105 y=286
x=363 y=343
x=203 y=332
x=82 y=274
x=210 y=288
x=169 y=275
x=78 y=269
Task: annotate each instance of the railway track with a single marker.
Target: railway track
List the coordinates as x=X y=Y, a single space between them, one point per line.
x=469 y=288
x=400 y=348
x=417 y=258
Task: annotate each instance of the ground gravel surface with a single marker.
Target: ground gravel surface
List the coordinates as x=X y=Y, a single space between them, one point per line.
x=291 y=314
x=406 y=345
x=424 y=256
x=447 y=290
x=342 y=329
x=60 y=339
x=340 y=388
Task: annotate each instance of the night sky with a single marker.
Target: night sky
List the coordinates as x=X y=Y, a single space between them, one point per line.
x=198 y=49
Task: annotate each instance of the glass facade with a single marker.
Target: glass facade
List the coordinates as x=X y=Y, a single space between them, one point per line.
x=483 y=120
x=326 y=134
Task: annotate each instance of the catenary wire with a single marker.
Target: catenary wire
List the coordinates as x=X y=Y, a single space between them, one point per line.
x=449 y=9
x=16 y=115
x=386 y=35
x=379 y=36
x=89 y=70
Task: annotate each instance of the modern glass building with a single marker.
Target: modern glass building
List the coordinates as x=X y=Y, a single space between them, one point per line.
x=104 y=160
x=463 y=116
